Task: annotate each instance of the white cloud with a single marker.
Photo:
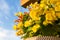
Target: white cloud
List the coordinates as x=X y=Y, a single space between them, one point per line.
x=8 y=34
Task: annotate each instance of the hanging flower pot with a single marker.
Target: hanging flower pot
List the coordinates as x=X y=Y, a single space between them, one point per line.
x=42 y=19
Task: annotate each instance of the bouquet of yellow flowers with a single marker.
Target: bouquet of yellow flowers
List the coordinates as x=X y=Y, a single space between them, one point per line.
x=43 y=19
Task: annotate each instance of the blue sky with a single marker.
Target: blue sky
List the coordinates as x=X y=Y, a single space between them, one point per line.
x=7 y=10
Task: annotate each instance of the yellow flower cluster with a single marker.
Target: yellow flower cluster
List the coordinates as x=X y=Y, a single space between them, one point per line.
x=19 y=32
x=58 y=15
x=35 y=11
x=18 y=27
x=28 y=23
x=50 y=16
x=47 y=8
x=35 y=28
x=46 y=12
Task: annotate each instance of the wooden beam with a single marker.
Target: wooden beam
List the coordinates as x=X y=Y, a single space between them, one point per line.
x=25 y=3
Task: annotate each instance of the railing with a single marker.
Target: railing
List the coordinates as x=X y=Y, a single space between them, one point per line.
x=44 y=38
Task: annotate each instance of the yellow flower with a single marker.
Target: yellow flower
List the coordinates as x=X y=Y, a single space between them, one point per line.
x=19 y=25
x=34 y=15
x=31 y=5
x=58 y=15
x=42 y=5
x=15 y=27
x=53 y=1
x=35 y=28
x=50 y=15
x=19 y=32
x=57 y=6
x=34 y=5
x=45 y=2
x=47 y=22
x=28 y=23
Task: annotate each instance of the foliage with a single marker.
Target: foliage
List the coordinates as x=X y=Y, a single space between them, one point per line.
x=43 y=19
